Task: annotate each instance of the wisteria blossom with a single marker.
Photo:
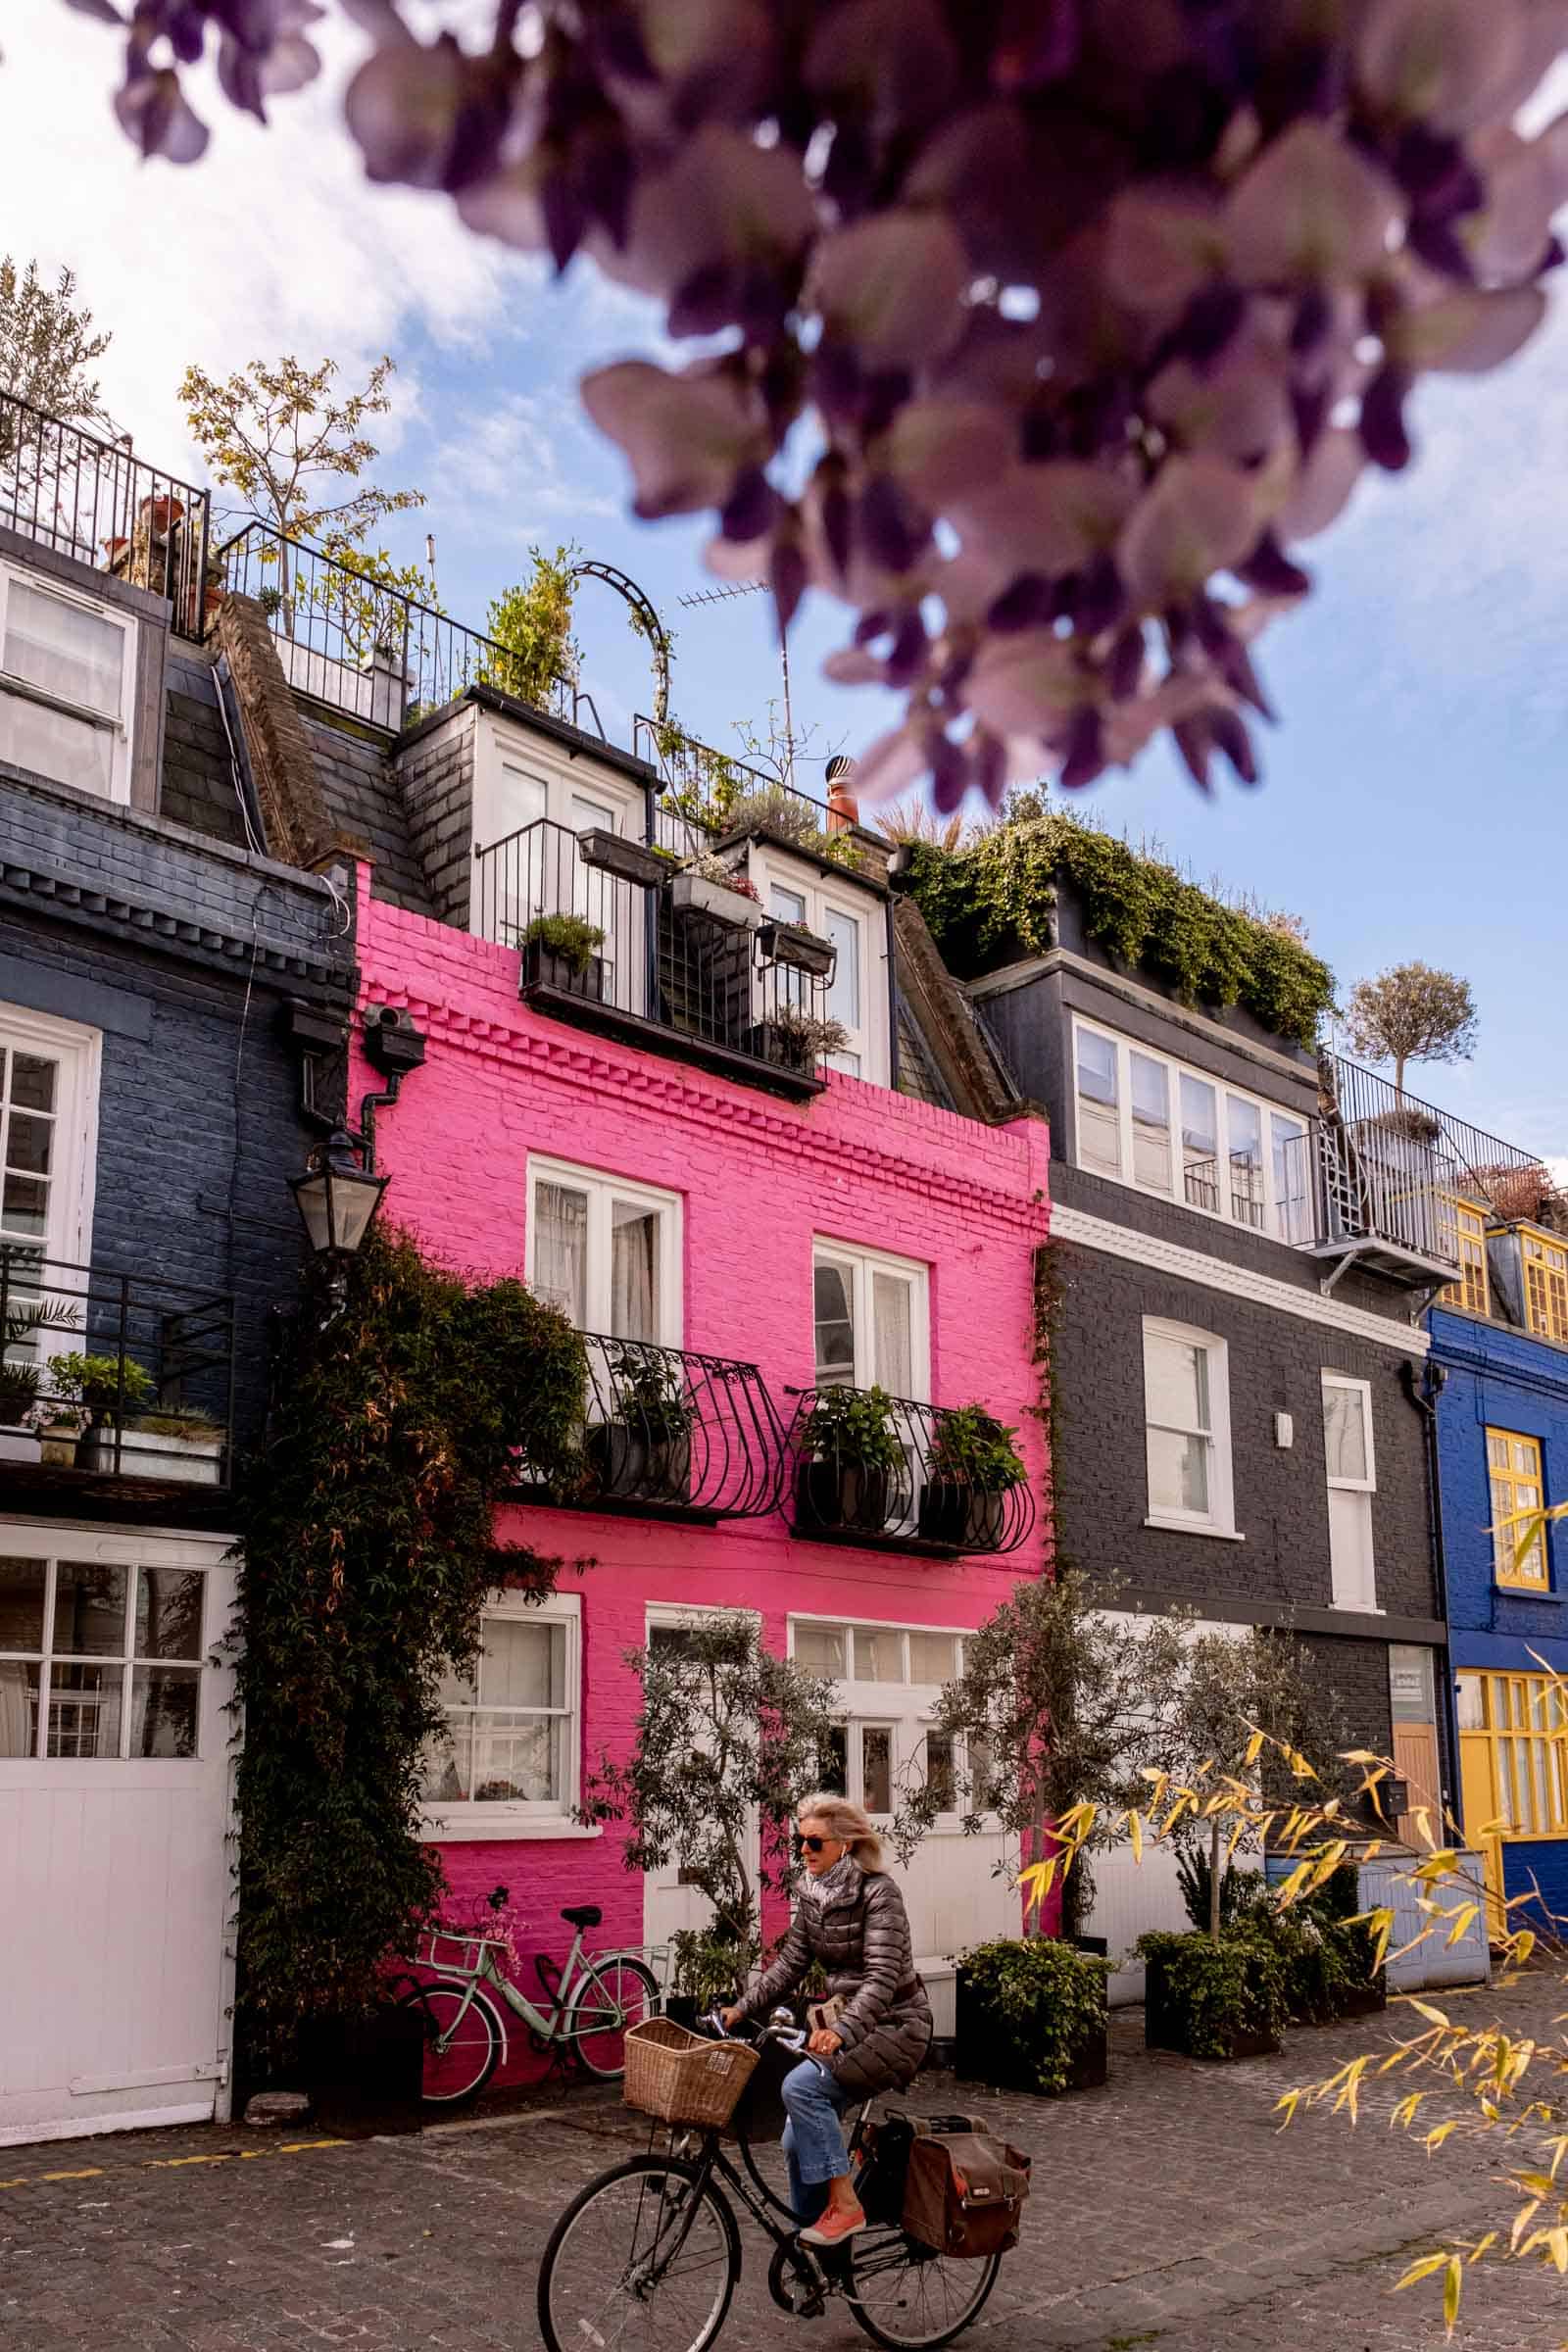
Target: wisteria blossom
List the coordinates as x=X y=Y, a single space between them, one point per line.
x=1084 y=313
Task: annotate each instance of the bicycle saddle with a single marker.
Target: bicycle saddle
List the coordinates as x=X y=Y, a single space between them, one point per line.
x=582 y=1915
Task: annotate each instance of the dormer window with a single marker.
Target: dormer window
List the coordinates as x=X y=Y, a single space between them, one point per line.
x=66 y=669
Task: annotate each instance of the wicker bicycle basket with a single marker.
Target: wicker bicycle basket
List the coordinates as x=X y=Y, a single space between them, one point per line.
x=682 y=2078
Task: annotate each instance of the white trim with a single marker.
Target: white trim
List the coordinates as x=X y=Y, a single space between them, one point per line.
x=1367 y=1485
x=461 y=1819
x=500 y=743
x=78 y=1053
x=1193 y=1527
x=862 y=1265
x=112 y=2119
x=1241 y=1282
x=767 y=864
x=1345 y=1573
x=119 y=731
x=602 y=1186
x=1220 y=1517
x=1132 y=992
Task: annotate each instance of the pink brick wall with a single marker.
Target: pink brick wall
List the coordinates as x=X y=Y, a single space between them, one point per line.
x=758 y=1178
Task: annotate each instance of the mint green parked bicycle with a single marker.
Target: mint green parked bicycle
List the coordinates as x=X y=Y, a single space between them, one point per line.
x=586 y=2011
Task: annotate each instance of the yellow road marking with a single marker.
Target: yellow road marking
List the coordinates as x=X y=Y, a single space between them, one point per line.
x=170 y=2164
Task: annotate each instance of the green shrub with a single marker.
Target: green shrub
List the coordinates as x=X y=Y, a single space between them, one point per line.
x=569 y=936
x=852 y=1429
x=1036 y=2003
x=1217 y=1990
x=974 y=1449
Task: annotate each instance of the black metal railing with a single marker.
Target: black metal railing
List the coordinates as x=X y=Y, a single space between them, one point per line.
x=98 y=502
x=628 y=946
x=111 y=1374
x=668 y=1431
x=704 y=793
x=352 y=641
x=870 y=1469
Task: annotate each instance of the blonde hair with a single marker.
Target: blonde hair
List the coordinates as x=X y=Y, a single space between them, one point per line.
x=849 y=1824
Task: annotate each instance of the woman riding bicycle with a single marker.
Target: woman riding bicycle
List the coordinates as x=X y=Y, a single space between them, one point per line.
x=850 y=1919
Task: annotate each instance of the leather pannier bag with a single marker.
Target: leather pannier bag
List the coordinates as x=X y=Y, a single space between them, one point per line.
x=964 y=2190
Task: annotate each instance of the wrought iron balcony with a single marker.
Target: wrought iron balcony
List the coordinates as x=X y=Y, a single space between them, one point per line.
x=375 y=651
x=111 y=1383
x=608 y=940
x=672 y=1434
x=884 y=1472
x=97 y=501
x=702 y=791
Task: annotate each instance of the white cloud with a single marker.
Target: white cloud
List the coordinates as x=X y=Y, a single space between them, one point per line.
x=521 y=457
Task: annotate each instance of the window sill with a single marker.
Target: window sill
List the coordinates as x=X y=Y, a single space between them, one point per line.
x=1358 y=1608
x=1193 y=1527
x=1523 y=1592
x=461 y=1828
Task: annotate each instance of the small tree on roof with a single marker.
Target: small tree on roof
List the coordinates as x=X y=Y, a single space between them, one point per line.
x=1412 y=1012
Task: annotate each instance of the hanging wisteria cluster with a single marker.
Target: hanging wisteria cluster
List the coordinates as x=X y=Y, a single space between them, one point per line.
x=1038 y=332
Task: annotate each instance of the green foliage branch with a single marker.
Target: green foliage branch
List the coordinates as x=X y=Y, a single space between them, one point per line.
x=994 y=903
x=532 y=653
x=1035 y=2003
x=367 y=1553
x=1219 y=1989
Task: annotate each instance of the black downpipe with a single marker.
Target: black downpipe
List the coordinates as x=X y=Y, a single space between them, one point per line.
x=1434 y=1379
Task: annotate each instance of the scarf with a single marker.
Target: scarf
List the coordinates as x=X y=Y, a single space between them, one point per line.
x=833 y=1883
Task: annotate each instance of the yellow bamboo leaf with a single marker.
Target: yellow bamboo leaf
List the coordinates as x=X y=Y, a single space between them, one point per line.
x=1483 y=2246
x=1524 y=1946
x=1535 y=2185
x=1360 y=1755
x=1439 y=2132
x=1422 y=2270
x=1434 y=2017
x=1452 y=2289
x=1557 y=2247
x=1521 y=2223
x=1135 y=1831
x=1462 y=1920
x=1289 y=2100
x=1254 y=1748
x=1403 y=2115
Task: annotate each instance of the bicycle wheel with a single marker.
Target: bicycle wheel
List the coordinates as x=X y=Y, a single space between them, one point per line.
x=643 y=2258
x=614 y=1994
x=460 y=2046
x=903 y=2294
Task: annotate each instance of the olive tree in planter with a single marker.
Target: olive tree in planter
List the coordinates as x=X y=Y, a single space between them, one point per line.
x=973 y=1467
x=643 y=1450
x=1031 y=2016
x=852 y=1475
x=1058 y=1706
x=728 y=1738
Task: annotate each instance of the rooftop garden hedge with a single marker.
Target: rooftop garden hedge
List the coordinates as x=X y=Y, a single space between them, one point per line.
x=994 y=903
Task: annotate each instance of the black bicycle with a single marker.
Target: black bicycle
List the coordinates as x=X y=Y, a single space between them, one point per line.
x=646 y=2257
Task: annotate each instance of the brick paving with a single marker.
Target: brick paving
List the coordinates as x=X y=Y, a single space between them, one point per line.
x=1168 y=2213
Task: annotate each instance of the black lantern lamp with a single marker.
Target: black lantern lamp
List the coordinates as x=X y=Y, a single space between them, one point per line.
x=337 y=1197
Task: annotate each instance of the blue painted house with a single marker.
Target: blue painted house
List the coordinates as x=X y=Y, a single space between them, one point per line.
x=1499 y=1346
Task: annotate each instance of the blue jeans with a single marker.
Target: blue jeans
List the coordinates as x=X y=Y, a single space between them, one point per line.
x=814 y=2141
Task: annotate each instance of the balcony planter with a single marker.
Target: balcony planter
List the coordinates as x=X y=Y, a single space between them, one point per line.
x=796 y=1041
x=1029 y=2014
x=1220 y=2000
x=629 y=1466
x=962 y=1517
x=972 y=1469
x=696 y=894
x=850 y=1455
x=20 y=1383
x=630 y=861
x=18 y=1443
x=58 y=1441
x=843 y=1497
x=792 y=944
x=561 y=952
x=192 y=1456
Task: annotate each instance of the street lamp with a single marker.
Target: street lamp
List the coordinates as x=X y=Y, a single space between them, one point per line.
x=337 y=1197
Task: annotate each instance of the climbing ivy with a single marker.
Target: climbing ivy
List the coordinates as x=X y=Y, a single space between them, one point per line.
x=994 y=903
x=367 y=1553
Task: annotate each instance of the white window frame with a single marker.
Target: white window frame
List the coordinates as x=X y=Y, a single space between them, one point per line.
x=908 y=1707
x=868 y=1037
x=501 y=744
x=78 y=1051
x=193 y=1555
x=122 y=729
x=1367 y=1486
x=603 y=1188
x=861 y=1265
x=1220 y=1517
x=1278 y=1211
x=470 y=1818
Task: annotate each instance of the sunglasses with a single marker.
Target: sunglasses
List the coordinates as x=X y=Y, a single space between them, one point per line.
x=811 y=1846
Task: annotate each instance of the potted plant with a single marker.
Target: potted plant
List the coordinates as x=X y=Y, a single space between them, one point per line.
x=562 y=950
x=849 y=1456
x=1030 y=2015
x=643 y=1453
x=18 y=1395
x=108 y=1388
x=59 y=1425
x=185 y=1443
x=613 y=853
x=796 y=1040
x=706 y=885
x=972 y=1469
x=1210 y=1997
x=793 y=945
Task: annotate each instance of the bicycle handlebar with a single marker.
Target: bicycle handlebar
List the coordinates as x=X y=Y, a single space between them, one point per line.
x=789 y=2036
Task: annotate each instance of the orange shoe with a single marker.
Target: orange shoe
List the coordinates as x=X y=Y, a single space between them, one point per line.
x=835 y=2225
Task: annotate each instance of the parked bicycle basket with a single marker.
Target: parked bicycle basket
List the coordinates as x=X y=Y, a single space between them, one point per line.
x=681 y=2077
x=456 y=1954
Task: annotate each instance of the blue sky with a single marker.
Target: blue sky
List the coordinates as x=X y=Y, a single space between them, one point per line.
x=1412 y=803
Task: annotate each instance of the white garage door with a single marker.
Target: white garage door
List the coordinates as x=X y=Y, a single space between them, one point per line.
x=115 y=1974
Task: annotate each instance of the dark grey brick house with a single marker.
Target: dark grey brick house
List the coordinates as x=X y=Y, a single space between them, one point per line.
x=1244 y=1236
x=158 y=973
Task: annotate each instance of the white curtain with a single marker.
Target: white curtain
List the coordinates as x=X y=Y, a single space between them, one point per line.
x=16 y=1711
x=633 y=1273
x=560 y=1249
x=890 y=1322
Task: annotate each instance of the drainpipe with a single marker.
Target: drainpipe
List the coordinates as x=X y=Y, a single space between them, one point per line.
x=1424 y=1397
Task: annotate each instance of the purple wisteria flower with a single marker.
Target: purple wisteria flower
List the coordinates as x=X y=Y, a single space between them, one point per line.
x=1084 y=313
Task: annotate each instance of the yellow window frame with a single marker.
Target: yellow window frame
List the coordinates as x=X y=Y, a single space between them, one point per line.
x=1518 y=1491
x=1521 y=1749
x=1470 y=1293
x=1545 y=1271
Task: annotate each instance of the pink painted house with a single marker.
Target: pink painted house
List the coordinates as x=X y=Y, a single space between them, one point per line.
x=631 y=1108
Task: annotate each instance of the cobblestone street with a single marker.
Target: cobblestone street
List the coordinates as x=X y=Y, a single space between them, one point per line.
x=1168 y=2212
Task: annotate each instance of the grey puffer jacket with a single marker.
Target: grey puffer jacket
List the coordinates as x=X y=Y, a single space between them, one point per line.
x=861 y=1936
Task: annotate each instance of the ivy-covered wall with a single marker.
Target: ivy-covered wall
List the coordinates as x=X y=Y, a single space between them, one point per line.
x=995 y=903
